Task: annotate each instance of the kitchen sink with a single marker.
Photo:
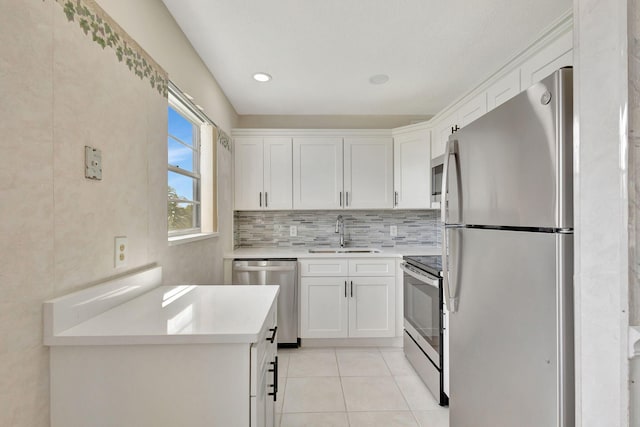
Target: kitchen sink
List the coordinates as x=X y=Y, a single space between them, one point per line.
x=344 y=251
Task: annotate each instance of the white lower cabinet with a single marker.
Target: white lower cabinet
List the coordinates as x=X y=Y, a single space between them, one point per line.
x=228 y=383
x=359 y=304
x=264 y=375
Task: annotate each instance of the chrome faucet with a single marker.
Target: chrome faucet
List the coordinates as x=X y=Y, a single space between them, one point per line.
x=340 y=229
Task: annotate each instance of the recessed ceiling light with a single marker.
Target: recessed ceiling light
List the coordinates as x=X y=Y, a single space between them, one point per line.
x=261 y=77
x=378 y=79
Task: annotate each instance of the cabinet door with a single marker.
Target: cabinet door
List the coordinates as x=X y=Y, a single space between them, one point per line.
x=472 y=109
x=278 y=173
x=503 y=90
x=557 y=55
x=317 y=173
x=260 y=401
x=372 y=307
x=248 y=173
x=368 y=173
x=323 y=307
x=441 y=135
x=412 y=170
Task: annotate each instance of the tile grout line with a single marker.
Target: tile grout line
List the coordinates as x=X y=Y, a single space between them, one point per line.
x=401 y=392
x=344 y=398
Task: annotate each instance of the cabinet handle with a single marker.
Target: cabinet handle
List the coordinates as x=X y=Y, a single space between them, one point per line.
x=352 y=289
x=274 y=386
x=266 y=199
x=395 y=198
x=345 y=288
x=260 y=199
x=341 y=199
x=346 y=195
x=272 y=338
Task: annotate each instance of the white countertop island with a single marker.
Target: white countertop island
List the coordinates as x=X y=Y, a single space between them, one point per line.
x=178 y=315
x=130 y=353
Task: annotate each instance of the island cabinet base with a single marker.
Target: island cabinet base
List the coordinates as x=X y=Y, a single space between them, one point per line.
x=193 y=385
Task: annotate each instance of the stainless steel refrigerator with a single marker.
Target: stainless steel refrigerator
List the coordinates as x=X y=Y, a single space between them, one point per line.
x=508 y=262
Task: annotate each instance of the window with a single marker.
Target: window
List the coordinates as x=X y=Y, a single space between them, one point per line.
x=191 y=169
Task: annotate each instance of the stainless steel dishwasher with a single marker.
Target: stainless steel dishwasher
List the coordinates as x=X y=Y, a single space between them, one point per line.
x=282 y=272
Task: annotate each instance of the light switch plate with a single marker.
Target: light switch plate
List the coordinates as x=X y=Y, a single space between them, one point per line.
x=393 y=230
x=293 y=231
x=120 y=251
x=92 y=163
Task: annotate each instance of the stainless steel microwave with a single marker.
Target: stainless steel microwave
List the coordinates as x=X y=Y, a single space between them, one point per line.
x=437 y=168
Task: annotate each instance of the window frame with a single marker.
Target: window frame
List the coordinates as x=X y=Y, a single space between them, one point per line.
x=205 y=169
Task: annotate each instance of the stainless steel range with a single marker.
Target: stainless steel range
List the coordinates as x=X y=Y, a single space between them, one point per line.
x=425 y=336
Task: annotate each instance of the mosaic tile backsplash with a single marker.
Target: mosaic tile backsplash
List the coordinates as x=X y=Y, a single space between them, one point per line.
x=317 y=228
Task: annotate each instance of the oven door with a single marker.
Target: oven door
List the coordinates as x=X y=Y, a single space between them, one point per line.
x=422 y=310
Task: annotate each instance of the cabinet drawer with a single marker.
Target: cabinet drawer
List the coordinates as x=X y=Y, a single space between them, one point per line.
x=372 y=267
x=263 y=347
x=324 y=267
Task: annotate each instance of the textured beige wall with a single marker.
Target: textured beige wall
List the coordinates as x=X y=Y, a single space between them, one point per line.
x=150 y=24
x=60 y=92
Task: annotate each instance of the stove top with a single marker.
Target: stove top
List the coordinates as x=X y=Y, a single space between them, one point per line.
x=429 y=263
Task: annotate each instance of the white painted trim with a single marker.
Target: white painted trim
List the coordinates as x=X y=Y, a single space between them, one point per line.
x=188 y=238
x=422 y=126
x=311 y=132
x=352 y=342
x=70 y=310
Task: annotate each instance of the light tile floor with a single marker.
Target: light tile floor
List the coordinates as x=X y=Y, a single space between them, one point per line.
x=353 y=387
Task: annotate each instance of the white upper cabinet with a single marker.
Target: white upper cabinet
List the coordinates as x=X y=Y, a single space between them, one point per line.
x=248 y=173
x=441 y=133
x=472 y=109
x=278 y=173
x=368 y=173
x=317 y=173
x=556 y=55
x=503 y=90
x=263 y=173
x=412 y=170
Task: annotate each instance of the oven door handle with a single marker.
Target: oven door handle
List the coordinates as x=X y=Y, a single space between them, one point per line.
x=417 y=274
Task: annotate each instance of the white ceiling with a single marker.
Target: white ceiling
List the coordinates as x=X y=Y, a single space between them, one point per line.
x=321 y=53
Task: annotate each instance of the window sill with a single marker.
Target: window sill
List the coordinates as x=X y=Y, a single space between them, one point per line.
x=188 y=238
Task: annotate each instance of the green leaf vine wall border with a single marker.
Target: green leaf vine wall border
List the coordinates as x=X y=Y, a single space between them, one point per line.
x=103 y=30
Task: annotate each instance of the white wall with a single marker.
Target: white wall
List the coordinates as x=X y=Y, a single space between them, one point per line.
x=601 y=214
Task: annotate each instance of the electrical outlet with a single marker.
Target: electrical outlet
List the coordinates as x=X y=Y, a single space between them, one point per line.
x=293 y=231
x=393 y=230
x=120 y=251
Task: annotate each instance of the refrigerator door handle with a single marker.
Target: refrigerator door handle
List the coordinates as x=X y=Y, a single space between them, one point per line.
x=451 y=149
x=450 y=300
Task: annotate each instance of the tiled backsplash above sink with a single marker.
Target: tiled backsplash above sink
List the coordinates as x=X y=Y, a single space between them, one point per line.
x=317 y=228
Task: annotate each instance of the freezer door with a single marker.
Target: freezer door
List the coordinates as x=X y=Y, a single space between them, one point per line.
x=511 y=340
x=513 y=166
